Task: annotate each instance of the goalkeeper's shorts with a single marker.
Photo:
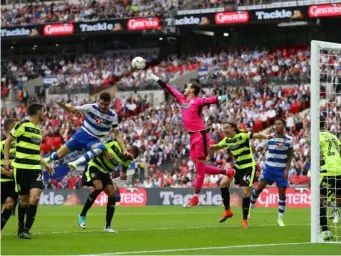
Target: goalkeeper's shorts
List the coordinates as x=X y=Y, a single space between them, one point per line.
x=330 y=185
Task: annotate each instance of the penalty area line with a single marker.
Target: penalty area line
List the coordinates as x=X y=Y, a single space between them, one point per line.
x=197 y=249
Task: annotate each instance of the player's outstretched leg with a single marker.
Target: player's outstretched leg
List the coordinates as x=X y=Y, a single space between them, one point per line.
x=255 y=194
x=98 y=149
x=225 y=194
x=201 y=170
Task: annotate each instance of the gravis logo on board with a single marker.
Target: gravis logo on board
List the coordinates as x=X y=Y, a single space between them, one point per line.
x=278 y=14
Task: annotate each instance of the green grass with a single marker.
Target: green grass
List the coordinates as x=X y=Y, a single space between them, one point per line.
x=165 y=230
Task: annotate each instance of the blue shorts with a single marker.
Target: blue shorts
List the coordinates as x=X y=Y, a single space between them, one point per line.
x=273 y=174
x=81 y=140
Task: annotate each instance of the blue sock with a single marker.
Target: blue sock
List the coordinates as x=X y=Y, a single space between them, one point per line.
x=54 y=156
x=90 y=154
x=281 y=207
x=254 y=196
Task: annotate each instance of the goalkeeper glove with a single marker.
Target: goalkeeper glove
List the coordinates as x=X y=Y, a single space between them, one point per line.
x=151 y=76
x=222 y=98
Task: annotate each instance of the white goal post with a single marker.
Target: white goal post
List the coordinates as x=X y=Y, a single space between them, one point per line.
x=320 y=52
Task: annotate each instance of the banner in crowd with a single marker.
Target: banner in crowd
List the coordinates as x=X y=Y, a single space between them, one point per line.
x=82 y=28
x=296 y=197
x=281 y=14
x=273 y=15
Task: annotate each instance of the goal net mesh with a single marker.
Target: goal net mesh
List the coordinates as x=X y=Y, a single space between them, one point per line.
x=330 y=122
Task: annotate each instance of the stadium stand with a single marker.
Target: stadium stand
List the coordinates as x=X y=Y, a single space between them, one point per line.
x=75 y=11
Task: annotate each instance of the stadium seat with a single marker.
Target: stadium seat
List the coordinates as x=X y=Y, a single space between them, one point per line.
x=303 y=179
x=294 y=179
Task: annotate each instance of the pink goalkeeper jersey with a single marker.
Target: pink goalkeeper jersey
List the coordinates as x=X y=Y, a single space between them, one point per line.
x=191 y=110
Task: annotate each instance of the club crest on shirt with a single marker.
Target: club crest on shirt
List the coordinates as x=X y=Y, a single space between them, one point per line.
x=99 y=121
x=279 y=144
x=186 y=105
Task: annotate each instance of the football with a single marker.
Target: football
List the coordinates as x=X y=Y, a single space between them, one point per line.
x=138 y=63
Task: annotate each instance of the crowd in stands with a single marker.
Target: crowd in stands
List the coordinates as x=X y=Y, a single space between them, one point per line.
x=82 y=10
x=223 y=3
x=66 y=74
x=241 y=66
x=233 y=67
x=86 y=10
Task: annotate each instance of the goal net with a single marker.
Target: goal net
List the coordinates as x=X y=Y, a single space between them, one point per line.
x=325 y=142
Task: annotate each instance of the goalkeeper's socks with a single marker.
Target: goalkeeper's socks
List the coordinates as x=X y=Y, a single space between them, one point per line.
x=323 y=218
x=110 y=210
x=5 y=215
x=91 y=199
x=281 y=207
x=245 y=207
x=225 y=194
x=200 y=169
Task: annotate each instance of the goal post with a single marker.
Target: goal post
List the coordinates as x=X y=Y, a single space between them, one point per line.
x=325 y=57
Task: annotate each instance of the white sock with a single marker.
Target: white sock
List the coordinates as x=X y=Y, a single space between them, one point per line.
x=280 y=216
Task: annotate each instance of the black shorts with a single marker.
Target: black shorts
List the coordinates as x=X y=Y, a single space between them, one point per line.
x=8 y=190
x=330 y=185
x=245 y=177
x=25 y=180
x=91 y=173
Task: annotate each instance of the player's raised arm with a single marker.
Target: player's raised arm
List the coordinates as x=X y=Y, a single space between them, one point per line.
x=73 y=109
x=214 y=100
x=261 y=136
x=166 y=87
x=220 y=145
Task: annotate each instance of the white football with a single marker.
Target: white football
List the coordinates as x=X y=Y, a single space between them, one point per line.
x=138 y=63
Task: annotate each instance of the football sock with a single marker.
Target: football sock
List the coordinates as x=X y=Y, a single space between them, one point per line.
x=54 y=156
x=30 y=216
x=281 y=207
x=200 y=169
x=254 y=196
x=110 y=210
x=6 y=213
x=214 y=170
x=90 y=154
x=21 y=216
x=225 y=194
x=91 y=199
x=245 y=207
x=323 y=218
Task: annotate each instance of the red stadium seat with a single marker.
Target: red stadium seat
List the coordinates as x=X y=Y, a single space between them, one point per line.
x=257 y=125
x=294 y=179
x=303 y=179
x=57 y=142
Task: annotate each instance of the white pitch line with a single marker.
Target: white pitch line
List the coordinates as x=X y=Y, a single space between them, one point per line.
x=144 y=229
x=196 y=249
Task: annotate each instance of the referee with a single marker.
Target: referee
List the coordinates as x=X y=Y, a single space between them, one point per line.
x=27 y=166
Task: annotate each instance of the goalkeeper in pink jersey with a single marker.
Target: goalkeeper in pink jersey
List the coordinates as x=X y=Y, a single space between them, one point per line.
x=191 y=110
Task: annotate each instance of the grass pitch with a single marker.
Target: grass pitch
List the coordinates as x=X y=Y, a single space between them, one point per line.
x=165 y=230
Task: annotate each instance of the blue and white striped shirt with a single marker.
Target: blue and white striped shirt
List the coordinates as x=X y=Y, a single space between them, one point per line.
x=278 y=148
x=96 y=123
